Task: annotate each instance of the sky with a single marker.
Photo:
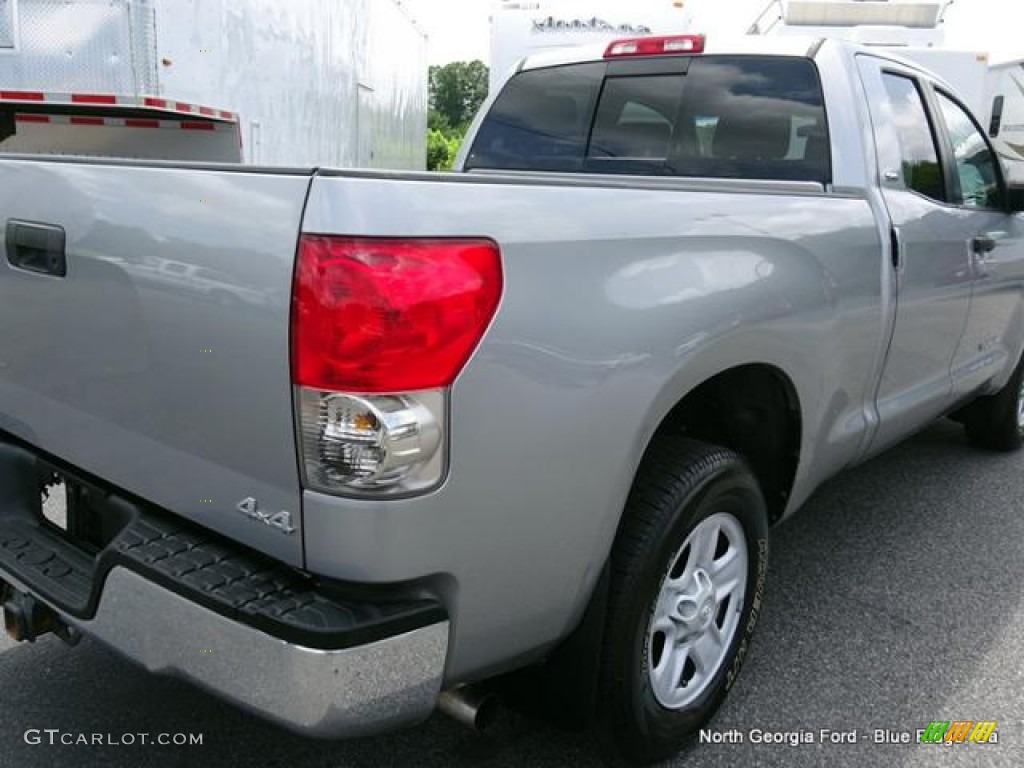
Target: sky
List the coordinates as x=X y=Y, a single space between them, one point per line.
x=459 y=29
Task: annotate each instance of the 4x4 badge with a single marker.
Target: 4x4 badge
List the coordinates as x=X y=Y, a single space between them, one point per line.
x=281 y=520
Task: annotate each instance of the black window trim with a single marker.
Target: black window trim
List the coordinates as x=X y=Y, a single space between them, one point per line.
x=950 y=155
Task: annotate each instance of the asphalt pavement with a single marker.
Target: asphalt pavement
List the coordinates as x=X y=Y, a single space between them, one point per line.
x=895 y=597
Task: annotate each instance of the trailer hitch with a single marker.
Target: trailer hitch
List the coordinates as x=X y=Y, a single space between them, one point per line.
x=26 y=619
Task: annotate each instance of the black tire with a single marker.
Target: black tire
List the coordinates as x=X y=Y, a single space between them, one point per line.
x=680 y=483
x=991 y=422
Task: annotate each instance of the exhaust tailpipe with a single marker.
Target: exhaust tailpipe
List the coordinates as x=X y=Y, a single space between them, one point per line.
x=474 y=707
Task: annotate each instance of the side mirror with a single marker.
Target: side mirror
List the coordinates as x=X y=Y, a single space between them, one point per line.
x=1015 y=198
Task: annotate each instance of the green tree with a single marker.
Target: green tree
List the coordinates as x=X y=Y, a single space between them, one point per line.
x=437 y=122
x=457 y=90
x=441 y=150
x=437 y=151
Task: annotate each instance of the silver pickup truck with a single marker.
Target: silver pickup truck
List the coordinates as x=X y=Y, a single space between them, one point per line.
x=341 y=446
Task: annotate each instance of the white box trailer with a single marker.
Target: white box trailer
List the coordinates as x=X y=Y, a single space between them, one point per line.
x=520 y=28
x=270 y=82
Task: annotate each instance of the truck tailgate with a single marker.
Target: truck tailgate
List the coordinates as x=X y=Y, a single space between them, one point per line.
x=159 y=361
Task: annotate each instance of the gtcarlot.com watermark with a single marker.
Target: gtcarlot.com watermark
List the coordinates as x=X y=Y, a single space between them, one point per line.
x=56 y=737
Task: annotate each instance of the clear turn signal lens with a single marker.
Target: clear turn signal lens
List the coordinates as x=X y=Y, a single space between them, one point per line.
x=372 y=444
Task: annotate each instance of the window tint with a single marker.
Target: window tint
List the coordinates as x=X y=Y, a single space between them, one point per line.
x=754 y=118
x=921 y=170
x=636 y=117
x=975 y=164
x=540 y=121
x=736 y=117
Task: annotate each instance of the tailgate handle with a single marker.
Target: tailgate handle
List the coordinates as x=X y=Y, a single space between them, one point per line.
x=36 y=247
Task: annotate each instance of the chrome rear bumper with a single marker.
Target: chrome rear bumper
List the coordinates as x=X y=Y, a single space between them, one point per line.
x=341 y=693
x=320 y=658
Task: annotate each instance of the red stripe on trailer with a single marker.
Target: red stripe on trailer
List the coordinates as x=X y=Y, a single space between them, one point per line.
x=23 y=95
x=117 y=122
x=93 y=98
x=182 y=106
x=149 y=101
x=207 y=112
x=227 y=115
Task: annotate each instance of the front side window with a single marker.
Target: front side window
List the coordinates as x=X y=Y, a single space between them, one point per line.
x=919 y=152
x=975 y=164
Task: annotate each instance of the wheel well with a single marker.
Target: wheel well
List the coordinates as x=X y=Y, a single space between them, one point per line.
x=753 y=410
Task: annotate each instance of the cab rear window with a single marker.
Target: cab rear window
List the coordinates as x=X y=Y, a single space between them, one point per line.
x=752 y=117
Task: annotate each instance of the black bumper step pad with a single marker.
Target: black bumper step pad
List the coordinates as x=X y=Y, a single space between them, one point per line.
x=199 y=565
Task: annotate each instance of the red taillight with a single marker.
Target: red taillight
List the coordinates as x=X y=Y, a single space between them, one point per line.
x=379 y=315
x=655 y=46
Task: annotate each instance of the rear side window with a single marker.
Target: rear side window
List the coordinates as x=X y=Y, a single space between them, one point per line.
x=919 y=155
x=748 y=117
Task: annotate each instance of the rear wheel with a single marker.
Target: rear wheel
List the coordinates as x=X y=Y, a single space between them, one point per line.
x=688 y=570
x=996 y=422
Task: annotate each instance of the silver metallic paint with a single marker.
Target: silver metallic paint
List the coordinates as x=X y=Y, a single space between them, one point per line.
x=617 y=303
x=160 y=363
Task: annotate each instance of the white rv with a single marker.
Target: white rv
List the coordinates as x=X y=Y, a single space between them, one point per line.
x=1006 y=116
x=302 y=82
x=913 y=29
x=520 y=28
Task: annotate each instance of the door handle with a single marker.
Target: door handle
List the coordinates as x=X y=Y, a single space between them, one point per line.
x=983 y=244
x=36 y=247
x=896 y=248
